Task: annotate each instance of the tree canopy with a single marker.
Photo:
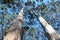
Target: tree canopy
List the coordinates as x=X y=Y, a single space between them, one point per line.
x=49 y=10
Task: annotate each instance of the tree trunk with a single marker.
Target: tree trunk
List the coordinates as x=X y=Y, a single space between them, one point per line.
x=49 y=29
x=51 y=33
x=15 y=31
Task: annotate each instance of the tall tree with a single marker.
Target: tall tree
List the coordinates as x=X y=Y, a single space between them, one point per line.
x=51 y=33
x=15 y=31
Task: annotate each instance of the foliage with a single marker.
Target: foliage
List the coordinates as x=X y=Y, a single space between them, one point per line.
x=41 y=7
x=8 y=1
x=50 y=12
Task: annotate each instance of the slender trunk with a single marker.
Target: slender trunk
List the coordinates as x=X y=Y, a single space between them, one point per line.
x=15 y=31
x=51 y=33
x=49 y=29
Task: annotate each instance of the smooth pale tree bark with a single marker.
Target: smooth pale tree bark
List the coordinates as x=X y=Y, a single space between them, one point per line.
x=15 y=31
x=51 y=33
